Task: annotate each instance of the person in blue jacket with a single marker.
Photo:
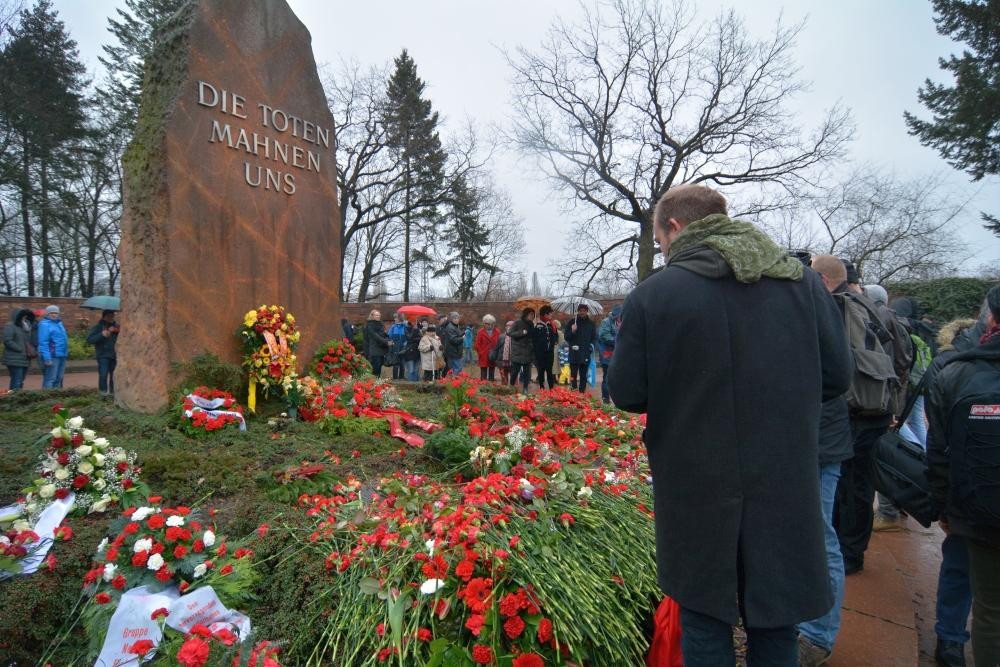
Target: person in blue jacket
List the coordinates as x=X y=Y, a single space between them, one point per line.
x=397 y=334
x=53 y=348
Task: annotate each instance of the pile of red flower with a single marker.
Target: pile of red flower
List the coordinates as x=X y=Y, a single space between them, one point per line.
x=159 y=546
x=337 y=359
x=197 y=420
x=202 y=644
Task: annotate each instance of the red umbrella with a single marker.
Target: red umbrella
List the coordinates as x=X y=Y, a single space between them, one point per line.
x=413 y=312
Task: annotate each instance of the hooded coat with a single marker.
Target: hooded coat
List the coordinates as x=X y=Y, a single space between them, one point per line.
x=731 y=367
x=53 y=342
x=522 y=348
x=15 y=341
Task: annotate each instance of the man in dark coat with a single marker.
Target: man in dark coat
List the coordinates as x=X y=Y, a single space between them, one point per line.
x=731 y=350
x=104 y=337
x=963 y=458
x=581 y=334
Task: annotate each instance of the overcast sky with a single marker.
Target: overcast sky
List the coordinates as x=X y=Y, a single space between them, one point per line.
x=872 y=56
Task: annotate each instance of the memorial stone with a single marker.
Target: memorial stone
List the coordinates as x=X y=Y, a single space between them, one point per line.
x=230 y=193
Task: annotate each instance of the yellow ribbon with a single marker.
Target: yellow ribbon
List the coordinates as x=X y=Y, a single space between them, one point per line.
x=252 y=396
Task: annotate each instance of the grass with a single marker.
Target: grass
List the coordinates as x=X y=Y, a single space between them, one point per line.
x=236 y=471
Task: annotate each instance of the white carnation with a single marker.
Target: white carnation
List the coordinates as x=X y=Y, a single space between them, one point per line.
x=101 y=442
x=145 y=544
x=88 y=434
x=61 y=473
x=199 y=570
x=47 y=491
x=102 y=546
x=121 y=456
x=155 y=562
x=84 y=450
x=609 y=477
x=57 y=432
x=109 y=571
x=99 y=459
x=99 y=484
x=431 y=586
x=100 y=505
x=142 y=513
x=585 y=492
x=176 y=520
x=208 y=539
x=74 y=422
x=430 y=546
x=85 y=467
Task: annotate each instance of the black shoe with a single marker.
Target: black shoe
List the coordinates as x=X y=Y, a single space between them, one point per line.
x=852 y=568
x=949 y=653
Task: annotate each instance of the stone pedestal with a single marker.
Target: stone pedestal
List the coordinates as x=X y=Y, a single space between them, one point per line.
x=230 y=193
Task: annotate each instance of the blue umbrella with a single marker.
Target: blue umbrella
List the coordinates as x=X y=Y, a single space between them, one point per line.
x=103 y=303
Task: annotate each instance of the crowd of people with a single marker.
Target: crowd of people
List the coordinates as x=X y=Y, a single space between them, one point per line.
x=40 y=337
x=771 y=381
x=535 y=349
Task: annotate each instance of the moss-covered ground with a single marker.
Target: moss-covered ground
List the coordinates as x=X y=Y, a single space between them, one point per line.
x=235 y=473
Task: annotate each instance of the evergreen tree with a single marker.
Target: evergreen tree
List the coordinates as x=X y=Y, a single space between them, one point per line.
x=467 y=239
x=134 y=30
x=965 y=129
x=42 y=115
x=412 y=133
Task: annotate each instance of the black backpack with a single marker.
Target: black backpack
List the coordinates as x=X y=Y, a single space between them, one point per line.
x=973 y=437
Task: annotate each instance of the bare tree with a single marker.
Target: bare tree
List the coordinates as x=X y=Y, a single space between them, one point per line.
x=639 y=96
x=891 y=229
x=371 y=181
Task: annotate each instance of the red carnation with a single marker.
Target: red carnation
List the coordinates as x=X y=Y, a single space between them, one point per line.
x=544 y=631
x=424 y=635
x=465 y=570
x=528 y=660
x=102 y=598
x=475 y=624
x=514 y=626
x=200 y=630
x=511 y=604
x=482 y=655
x=139 y=559
x=77 y=440
x=62 y=493
x=155 y=521
x=63 y=458
x=193 y=653
x=163 y=574
x=80 y=481
x=162 y=611
x=64 y=533
x=118 y=582
x=180 y=551
x=140 y=648
x=226 y=569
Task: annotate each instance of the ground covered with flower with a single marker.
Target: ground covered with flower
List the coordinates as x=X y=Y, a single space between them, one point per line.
x=450 y=524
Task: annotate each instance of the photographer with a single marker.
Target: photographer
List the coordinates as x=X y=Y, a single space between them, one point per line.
x=103 y=336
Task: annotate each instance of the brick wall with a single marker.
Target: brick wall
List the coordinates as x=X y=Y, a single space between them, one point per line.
x=472 y=312
x=72 y=315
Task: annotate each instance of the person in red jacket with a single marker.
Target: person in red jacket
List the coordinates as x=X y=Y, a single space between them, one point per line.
x=486 y=341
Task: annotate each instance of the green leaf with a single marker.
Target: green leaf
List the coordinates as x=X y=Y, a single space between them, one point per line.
x=396 y=609
x=369 y=586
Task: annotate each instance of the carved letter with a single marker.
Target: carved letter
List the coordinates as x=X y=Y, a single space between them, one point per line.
x=313 y=161
x=246 y=175
x=220 y=133
x=238 y=102
x=289 y=184
x=324 y=135
x=202 y=87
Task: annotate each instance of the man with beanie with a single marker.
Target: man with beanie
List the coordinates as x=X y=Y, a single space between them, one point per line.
x=731 y=350
x=53 y=348
x=963 y=458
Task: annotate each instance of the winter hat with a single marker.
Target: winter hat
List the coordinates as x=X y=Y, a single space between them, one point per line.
x=993 y=300
x=52 y=309
x=877 y=294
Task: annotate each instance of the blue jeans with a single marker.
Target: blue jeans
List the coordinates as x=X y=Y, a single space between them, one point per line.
x=708 y=642
x=106 y=374
x=410 y=370
x=52 y=375
x=17 y=375
x=823 y=631
x=954 y=597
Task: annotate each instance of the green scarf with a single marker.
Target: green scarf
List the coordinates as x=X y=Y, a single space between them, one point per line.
x=747 y=250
